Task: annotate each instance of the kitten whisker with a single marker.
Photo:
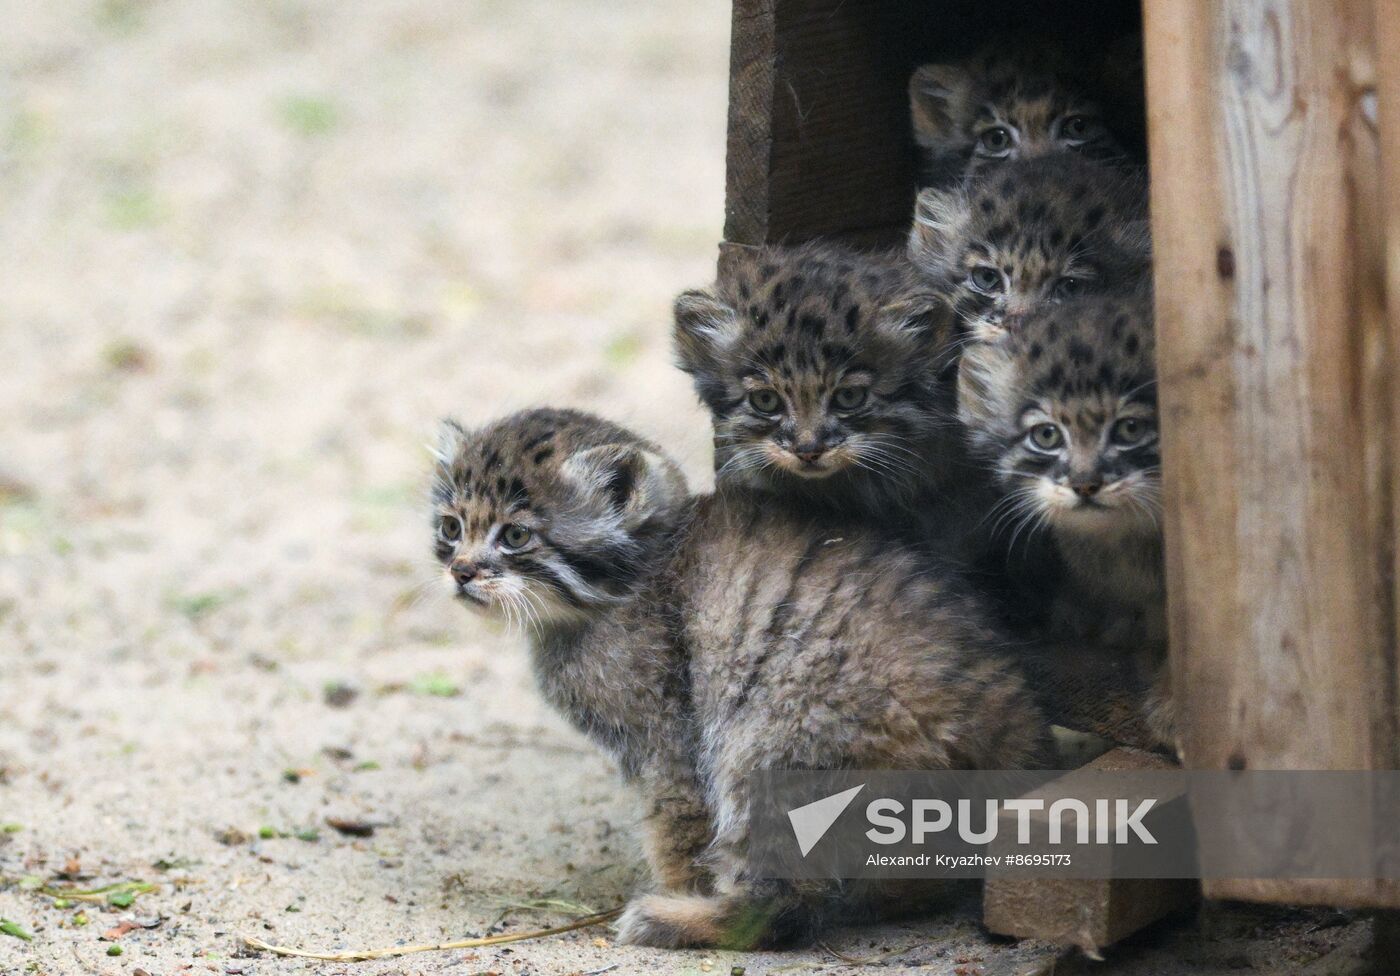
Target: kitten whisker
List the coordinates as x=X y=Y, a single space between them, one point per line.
x=418 y=592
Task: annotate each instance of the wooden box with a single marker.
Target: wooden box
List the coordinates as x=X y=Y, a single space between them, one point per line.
x=1273 y=129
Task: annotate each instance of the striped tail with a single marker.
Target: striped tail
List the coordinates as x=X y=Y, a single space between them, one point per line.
x=738 y=921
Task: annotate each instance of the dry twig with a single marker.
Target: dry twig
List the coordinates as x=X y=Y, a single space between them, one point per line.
x=490 y=940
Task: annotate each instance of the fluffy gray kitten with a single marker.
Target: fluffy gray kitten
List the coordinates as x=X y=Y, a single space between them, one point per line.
x=700 y=639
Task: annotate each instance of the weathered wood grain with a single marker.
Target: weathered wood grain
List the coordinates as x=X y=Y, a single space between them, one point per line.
x=1381 y=108
x=753 y=70
x=1277 y=418
x=818 y=140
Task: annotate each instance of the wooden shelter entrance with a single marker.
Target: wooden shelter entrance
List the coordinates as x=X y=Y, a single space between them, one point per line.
x=1274 y=136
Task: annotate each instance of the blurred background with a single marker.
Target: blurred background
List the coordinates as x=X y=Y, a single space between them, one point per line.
x=250 y=252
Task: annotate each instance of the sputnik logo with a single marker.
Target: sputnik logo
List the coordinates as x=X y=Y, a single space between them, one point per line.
x=811 y=822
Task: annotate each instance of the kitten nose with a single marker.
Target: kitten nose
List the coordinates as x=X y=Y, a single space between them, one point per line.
x=1087 y=488
x=809 y=452
x=464 y=573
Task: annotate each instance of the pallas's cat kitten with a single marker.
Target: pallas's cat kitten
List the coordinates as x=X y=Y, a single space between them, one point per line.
x=1065 y=412
x=1016 y=102
x=1031 y=233
x=698 y=640
x=825 y=373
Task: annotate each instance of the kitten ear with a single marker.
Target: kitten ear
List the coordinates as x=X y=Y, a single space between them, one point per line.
x=705 y=326
x=986 y=375
x=938 y=95
x=632 y=480
x=939 y=217
x=925 y=318
x=451 y=436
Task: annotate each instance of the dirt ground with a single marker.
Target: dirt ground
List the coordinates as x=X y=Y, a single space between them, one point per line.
x=249 y=253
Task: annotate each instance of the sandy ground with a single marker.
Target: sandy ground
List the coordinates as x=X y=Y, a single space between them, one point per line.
x=249 y=252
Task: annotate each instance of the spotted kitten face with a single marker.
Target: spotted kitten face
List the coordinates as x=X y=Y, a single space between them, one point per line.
x=1032 y=234
x=815 y=364
x=976 y=115
x=546 y=515
x=1066 y=412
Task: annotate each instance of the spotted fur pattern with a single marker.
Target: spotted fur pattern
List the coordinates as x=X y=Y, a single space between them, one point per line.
x=559 y=484
x=1065 y=413
x=718 y=636
x=821 y=370
x=1013 y=102
x=1028 y=234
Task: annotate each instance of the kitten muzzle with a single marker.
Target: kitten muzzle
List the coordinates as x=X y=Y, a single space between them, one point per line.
x=464 y=572
x=809 y=464
x=474 y=582
x=813 y=463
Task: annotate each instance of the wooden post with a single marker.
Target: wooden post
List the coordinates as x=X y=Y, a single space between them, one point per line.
x=1278 y=426
x=1383 y=108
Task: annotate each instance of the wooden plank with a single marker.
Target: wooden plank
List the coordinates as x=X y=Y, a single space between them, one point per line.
x=752 y=87
x=1276 y=414
x=1084 y=912
x=1381 y=108
x=817 y=132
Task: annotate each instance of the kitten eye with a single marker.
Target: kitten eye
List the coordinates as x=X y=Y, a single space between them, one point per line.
x=516 y=536
x=1067 y=287
x=1075 y=128
x=987 y=280
x=995 y=142
x=848 y=397
x=1046 y=437
x=451 y=528
x=1130 y=431
x=765 y=401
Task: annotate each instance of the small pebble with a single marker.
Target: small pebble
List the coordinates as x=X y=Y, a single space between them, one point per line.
x=339 y=694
